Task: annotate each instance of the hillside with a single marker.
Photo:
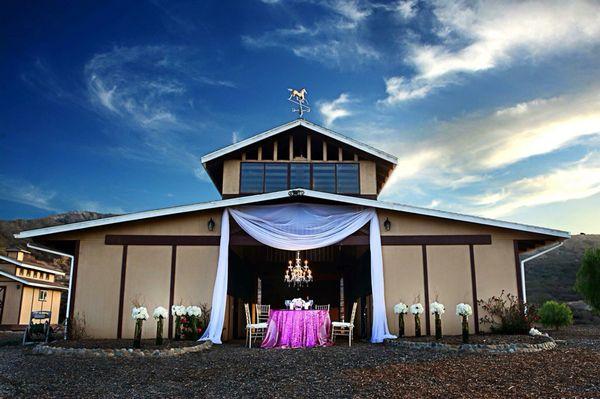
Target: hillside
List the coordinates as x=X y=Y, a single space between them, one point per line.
x=552 y=276
x=9 y=227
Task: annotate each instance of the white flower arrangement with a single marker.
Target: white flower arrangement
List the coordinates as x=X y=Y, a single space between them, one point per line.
x=534 y=332
x=400 y=308
x=416 y=308
x=464 y=309
x=297 y=303
x=140 y=313
x=160 y=312
x=193 y=311
x=178 y=310
x=437 y=308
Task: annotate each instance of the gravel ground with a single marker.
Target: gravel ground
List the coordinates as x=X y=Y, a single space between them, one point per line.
x=361 y=371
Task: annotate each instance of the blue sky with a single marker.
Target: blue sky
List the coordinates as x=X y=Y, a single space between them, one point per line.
x=493 y=108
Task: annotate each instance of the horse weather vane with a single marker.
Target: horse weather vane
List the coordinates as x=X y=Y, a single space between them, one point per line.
x=298 y=97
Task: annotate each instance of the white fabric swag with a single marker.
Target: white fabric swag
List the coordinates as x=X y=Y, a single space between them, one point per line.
x=294 y=227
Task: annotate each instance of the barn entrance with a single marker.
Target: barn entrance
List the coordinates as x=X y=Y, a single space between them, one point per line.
x=341 y=277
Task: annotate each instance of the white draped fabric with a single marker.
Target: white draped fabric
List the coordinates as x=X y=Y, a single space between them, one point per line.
x=295 y=227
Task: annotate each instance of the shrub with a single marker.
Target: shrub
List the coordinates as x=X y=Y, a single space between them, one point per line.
x=588 y=278
x=555 y=314
x=507 y=315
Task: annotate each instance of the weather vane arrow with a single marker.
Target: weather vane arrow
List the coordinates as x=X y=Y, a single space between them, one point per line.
x=298 y=97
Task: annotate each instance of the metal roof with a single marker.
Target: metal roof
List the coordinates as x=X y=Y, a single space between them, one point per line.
x=31 y=266
x=300 y=122
x=33 y=283
x=285 y=194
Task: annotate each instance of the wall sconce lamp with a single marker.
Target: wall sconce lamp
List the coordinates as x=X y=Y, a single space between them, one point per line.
x=211 y=224
x=387 y=224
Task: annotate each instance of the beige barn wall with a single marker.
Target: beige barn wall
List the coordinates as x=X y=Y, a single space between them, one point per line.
x=147 y=284
x=97 y=287
x=231 y=176
x=26 y=301
x=99 y=269
x=403 y=273
x=12 y=302
x=449 y=272
x=196 y=268
x=449 y=266
x=368 y=178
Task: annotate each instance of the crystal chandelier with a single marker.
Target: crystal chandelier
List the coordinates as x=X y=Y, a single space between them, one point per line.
x=298 y=275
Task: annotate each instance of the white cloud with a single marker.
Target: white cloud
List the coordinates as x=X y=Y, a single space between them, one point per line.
x=576 y=181
x=332 y=110
x=407 y=8
x=477 y=36
x=434 y=204
x=23 y=192
x=235 y=136
x=466 y=152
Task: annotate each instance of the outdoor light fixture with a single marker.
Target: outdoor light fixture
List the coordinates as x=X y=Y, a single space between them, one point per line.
x=387 y=224
x=211 y=224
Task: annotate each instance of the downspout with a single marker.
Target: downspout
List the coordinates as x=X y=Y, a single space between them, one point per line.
x=527 y=260
x=72 y=258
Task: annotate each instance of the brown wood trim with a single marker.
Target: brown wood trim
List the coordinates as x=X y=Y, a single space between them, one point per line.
x=474 y=289
x=426 y=290
x=122 y=292
x=518 y=270
x=2 y=301
x=74 y=282
x=474 y=239
x=172 y=288
x=161 y=240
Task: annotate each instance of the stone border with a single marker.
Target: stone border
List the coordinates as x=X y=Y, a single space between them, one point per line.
x=477 y=348
x=107 y=353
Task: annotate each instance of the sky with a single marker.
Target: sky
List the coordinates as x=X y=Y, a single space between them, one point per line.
x=492 y=107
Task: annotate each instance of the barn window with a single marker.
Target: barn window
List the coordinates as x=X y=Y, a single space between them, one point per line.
x=42 y=295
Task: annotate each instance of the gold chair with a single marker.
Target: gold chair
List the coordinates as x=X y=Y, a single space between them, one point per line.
x=322 y=307
x=341 y=328
x=262 y=313
x=258 y=329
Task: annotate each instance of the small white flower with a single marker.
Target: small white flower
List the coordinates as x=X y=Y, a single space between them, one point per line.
x=140 y=313
x=178 y=310
x=464 y=309
x=437 y=308
x=193 y=311
x=416 y=308
x=400 y=308
x=160 y=312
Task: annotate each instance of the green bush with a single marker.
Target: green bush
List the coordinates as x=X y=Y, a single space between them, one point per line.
x=555 y=314
x=588 y=278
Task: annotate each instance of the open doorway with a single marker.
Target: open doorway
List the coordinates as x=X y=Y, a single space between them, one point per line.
x=341 y=274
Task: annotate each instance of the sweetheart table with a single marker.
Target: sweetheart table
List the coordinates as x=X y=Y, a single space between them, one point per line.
x=297 y=329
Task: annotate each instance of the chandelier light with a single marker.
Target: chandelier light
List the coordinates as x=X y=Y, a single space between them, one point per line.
x=296 y=274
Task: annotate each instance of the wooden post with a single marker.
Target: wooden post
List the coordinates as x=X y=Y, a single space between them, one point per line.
x=275 y=151
x=308 y=149
x=291 y=147
x=324 y=151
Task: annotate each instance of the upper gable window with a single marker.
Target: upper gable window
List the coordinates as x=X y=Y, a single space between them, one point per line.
x=252 y=177
x=276 y=176
x=324 y=177
x=347 y=178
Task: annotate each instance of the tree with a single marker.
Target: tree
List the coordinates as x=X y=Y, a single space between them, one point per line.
x=555 y=314
x=588 y=278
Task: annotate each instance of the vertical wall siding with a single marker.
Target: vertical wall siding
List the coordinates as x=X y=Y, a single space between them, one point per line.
x=195 y=277
x=147 y=284
x=97 y=288
x=450 y=283
x=403 y=271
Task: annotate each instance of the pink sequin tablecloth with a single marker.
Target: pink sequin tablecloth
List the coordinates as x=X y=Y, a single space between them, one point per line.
x=298 y=329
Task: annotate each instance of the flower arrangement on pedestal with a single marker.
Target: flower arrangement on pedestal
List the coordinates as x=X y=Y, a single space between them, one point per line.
x=417 y=309
x=160 y=314
x=437 y=309
x=464 y=310
x=139 y=314
x=400 y=309
x=190 y=327
x=178 y=311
